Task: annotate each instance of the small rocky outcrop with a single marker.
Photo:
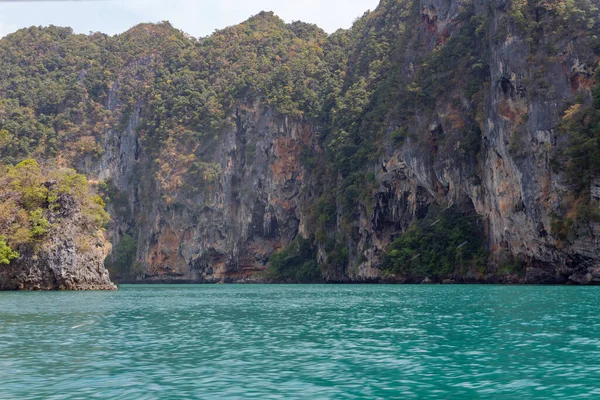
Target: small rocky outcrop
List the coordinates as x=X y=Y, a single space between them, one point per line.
x=59 y=265
x=50 y=231
x=591 y=276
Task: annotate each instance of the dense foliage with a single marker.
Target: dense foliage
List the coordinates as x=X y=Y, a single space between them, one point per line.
x=444 y=244
x=57 y=89
x=580 y=160
x=296 y=264
x=582 y=123
x=33 y=202
x=122 y=264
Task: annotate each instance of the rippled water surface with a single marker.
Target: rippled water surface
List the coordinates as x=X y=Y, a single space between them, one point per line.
x=305 y=341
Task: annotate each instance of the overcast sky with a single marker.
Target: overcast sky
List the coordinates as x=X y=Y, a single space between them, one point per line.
x=196 y=17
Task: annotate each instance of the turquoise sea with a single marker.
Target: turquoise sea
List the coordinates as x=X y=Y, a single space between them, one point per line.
x=302 y=341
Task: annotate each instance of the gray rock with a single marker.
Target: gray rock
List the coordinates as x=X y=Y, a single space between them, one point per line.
x=69 y=258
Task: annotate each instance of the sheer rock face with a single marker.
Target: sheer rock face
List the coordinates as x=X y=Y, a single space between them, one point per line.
x=521 y=191
x=256 y=204
x=66 y=259
x=228 y=230
x=250 y=211
x=517 y=190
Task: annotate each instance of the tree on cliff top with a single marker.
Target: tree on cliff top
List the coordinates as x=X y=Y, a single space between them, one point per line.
x=33 y=202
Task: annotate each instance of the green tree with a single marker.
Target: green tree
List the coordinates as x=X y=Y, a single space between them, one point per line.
x=442 y=243
x=6 y=253
x=33 y=196
x=121 y=264
x=296 y=263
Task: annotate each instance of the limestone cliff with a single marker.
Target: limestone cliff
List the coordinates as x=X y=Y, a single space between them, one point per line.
x=216 y=154
x=509 y=179
x=511 y=182
x=260 y=198
x=248 y=210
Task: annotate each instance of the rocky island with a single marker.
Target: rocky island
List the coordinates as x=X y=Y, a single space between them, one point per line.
x=435 y=140
x=50 y=231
